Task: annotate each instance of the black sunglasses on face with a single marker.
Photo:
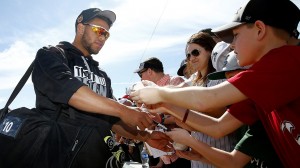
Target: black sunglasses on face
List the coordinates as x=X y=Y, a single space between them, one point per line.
x=194 y=53
x=141 y=72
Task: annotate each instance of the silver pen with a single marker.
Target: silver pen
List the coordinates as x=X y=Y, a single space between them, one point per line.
x=144 y=109
x=160 y=125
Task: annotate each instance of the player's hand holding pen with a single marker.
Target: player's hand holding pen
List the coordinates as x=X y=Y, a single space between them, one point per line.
x=155 y=117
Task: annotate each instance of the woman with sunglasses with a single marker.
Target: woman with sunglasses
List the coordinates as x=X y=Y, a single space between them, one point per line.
x=198 y=51
x=198 y=55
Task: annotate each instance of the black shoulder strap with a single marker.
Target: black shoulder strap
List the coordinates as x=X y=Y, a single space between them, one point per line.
x=17 y=90
x=20 y=85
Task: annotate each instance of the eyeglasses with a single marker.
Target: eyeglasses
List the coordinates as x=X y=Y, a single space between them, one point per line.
x=99 y=30
x=141 y=72
x=194 y=53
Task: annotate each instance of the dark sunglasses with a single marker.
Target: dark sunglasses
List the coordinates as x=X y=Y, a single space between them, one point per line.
x=194 y=53
x=141 y=72
x=99 y=30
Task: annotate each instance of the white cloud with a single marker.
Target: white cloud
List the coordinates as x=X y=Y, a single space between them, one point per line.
x=13 y=63
x=18 y=56
x=2 y=100
x=169 y=21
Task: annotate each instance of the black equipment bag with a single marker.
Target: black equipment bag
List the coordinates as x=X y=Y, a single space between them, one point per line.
x=31 y=139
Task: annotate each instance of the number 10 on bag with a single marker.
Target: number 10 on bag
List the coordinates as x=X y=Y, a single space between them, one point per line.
x=10 y=126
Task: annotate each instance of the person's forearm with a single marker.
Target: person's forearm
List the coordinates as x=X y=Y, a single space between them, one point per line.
x=200 y=122
x=205 y=124
x=183 y=97
x=202 y=98
x=86 y=100
x=129 y=132
x=215 y=127
x=218 y=157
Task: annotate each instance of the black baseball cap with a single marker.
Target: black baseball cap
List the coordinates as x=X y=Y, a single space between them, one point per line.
x=153 y=63
x=91 y=13
x=208 y=31
x=282 y=14
x=181 y=68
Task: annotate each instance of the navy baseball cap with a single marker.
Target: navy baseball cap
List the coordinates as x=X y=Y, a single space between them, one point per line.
x=282 y=14
x=181 y=68
x=91 y=13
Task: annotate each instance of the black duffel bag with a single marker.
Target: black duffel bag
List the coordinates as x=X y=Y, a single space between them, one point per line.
x=30 y=139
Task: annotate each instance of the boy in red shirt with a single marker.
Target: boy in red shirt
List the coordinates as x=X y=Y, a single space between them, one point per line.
x=260 y=33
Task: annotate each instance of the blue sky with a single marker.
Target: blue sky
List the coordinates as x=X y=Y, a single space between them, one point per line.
x=143 y=29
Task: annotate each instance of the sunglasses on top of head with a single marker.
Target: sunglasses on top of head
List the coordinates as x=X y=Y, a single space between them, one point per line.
x=194 y=53
x=99 y=30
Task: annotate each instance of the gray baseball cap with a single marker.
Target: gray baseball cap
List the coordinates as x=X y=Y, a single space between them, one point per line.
x=230 y=64
x=91 y=13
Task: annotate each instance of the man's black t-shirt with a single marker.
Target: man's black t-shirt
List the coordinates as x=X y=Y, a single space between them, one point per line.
x=57 y=78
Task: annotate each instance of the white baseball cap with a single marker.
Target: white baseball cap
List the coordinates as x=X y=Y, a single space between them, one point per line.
x=230 y=64
x=219 y=54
